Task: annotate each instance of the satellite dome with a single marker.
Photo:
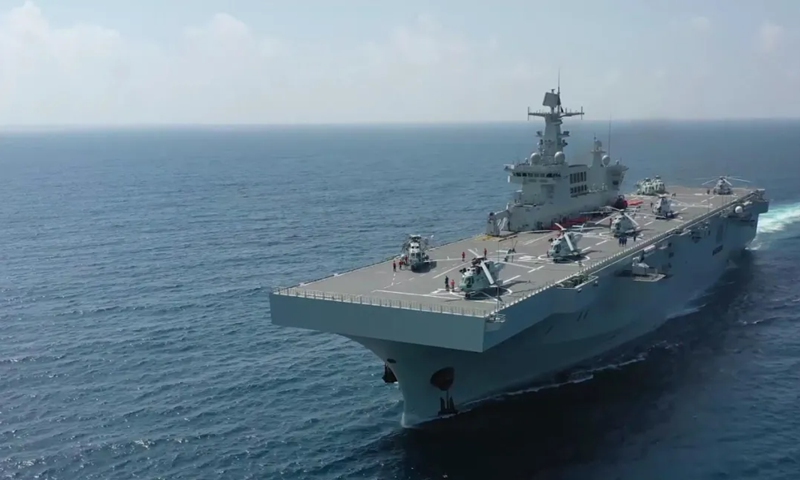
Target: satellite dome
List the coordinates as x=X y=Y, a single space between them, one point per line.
x=559 y=157
x=738 y=209
x=535 y=157
x=606 y=160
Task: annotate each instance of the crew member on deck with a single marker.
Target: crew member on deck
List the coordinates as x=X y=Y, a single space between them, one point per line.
x=394 y=266
x=446 y=283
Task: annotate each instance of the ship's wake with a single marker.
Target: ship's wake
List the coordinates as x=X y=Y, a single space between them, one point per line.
x=778 y=220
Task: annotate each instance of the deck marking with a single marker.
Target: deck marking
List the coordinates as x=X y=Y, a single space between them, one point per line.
x=537 y=268
x=428 y=295
x=537 y=239
x=517 y=265
x=450 y=270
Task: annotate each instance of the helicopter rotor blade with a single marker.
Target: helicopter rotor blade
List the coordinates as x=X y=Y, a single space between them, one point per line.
x=487 y=273
x=603 y=220
x=569 y=243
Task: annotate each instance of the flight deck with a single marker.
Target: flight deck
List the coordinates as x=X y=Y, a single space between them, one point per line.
x=524 y=272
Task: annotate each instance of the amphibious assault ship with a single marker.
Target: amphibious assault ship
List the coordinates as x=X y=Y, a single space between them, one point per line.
x=550 y=284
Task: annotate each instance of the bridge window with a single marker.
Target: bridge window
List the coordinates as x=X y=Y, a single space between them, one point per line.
x=577 y=177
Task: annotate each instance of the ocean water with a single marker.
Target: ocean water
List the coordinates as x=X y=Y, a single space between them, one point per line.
x=135 y=334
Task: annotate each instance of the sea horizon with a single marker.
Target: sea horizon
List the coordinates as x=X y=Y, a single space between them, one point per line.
x=176 y=126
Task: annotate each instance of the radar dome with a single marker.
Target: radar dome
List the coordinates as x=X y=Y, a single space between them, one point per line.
x=535 y=157
x=606 y=160
x=738 y=209
x=559 y=157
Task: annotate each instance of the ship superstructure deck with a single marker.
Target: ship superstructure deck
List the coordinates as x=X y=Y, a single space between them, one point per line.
x=528 y=272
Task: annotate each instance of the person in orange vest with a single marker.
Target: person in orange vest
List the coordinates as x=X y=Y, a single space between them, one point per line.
x=452 y=285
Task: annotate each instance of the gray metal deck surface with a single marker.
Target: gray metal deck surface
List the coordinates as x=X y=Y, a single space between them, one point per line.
x=530 y=269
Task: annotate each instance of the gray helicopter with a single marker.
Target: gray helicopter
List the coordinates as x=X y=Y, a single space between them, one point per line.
x=415 y=252
x=565 y=246
x=723 y=185
x=622 y=224
x=662 y=208
x=651 y=187
x=479 y=277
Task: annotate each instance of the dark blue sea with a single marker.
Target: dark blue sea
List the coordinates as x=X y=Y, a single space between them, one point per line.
x=135 y=334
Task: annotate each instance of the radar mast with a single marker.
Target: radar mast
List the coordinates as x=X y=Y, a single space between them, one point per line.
x=552 y=141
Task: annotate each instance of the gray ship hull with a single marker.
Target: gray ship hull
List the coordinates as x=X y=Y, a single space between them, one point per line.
x=623 y=310
x=448 y=353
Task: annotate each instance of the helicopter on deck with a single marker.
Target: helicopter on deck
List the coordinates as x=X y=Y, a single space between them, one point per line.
x=623 y=224
x=662 y=209
x=480 y=276
x=723 y=186
x=565 y=246
x=651 y=186
x=415 y=252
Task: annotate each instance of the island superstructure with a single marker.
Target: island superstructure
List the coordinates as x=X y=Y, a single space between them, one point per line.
x=569 y=270
x=552 y=190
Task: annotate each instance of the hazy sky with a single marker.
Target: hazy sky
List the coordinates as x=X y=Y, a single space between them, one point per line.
x=322 y=61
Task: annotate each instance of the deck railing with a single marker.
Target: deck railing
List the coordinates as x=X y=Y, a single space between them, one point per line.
x=491 y=314
x=381 y=302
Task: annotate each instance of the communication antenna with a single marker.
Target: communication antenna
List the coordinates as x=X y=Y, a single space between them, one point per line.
x=609 y=135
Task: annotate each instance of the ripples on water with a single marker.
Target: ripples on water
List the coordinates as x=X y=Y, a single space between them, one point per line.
x=136 y=341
